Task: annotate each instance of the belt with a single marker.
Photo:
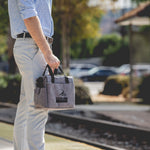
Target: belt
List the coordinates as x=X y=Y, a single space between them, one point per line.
x=27 y=35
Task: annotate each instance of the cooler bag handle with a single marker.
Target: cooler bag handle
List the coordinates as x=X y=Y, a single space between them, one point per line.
x=52 y=74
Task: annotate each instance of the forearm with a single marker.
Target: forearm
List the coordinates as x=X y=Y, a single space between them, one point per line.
x=34 y=28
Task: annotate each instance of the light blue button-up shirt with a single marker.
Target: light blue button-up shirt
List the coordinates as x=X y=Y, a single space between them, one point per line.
x=22 y=9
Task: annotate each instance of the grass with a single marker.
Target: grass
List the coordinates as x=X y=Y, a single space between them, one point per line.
x=52 y=142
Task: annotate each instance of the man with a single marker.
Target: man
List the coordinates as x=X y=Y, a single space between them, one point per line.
x=32 y=27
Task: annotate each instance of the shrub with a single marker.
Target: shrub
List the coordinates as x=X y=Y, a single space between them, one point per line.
x=144 y=90
x=136 y=81
x=118 y=84
x=82 y=95
x=3 y=81
x=114 y=85
x=10 y=89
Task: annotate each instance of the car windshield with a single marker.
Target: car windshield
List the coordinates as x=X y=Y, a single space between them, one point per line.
x=124 y=67
x=94 y=70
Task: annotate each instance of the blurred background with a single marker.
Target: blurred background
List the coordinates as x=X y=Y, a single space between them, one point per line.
x=106 y=56
x=105 y=46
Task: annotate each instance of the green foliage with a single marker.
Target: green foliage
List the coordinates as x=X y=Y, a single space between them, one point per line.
x=3 y=16
x=75 y=21
x=111 y=47
x=145 y=29
x=82 y=20
x=106 y=43
x=3 y=44
x=6 y=78
x=83 y=48
x=3 y=80
x=138 y=1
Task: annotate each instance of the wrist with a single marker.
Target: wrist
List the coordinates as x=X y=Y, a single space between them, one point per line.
x=47 y=52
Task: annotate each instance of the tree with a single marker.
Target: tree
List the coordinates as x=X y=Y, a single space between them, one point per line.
x=74 y=21
x=3 y=25
x=5 y=30
x=84 y=48
x=3 y=16
x=113 y=49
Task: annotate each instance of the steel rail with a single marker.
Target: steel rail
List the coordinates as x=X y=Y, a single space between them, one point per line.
x=101 y=123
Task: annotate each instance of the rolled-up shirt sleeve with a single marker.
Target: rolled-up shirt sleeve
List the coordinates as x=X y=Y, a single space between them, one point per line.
x=27 y=8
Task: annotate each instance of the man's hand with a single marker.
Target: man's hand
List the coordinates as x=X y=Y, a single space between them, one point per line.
x=52 y=60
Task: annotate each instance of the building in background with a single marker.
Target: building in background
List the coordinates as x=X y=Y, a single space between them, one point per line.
x=109 y=4
x=113 y=10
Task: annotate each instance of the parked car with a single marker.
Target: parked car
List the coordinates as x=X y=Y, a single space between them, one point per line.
x=138 y=69
x=98 y=74
x=141 y=69
x=77 y=70
x=124 y=69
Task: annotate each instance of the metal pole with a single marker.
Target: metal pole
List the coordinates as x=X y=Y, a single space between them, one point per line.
x=131 y=61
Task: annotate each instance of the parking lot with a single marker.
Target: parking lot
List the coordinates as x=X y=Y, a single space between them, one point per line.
x=89 y=72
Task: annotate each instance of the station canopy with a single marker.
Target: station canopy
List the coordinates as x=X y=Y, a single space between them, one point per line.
x=139 y=16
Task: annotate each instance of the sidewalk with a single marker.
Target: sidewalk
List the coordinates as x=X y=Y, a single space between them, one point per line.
x=52 y=142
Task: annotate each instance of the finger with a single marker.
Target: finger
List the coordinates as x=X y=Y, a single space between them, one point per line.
x=53 y=70
x=59 y=63
x=57 y=66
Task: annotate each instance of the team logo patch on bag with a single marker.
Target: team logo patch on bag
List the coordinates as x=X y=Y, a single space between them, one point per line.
x=62 y=97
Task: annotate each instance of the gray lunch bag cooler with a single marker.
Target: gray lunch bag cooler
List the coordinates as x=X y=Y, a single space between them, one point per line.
x=54 y=92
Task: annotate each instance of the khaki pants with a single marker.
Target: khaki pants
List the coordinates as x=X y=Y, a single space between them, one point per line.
x=29 y=126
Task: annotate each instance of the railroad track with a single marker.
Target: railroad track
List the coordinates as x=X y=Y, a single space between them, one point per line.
x=139 y=137
x=89 y=142
x=96 y=144
x=100 y=123
x=67 y=125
